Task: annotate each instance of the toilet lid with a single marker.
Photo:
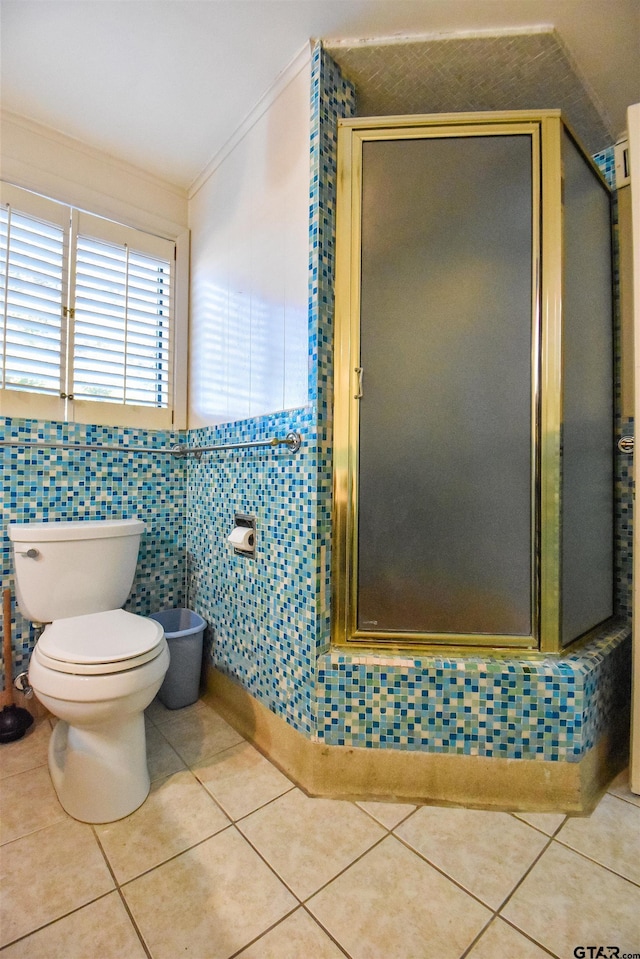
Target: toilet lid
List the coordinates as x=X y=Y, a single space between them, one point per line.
x=114 y=636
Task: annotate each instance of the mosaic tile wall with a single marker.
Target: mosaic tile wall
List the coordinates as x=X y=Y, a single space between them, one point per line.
x=332 y=98
x=606 y=160
x=262 y=609
x=55 y=484
x=477 y=706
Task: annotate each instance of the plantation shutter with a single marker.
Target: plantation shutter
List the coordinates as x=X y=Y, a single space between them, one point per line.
x=122 y=320
x=87 y=316
x=33 y=277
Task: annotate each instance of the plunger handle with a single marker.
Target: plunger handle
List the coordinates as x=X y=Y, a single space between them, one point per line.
x=6 y=647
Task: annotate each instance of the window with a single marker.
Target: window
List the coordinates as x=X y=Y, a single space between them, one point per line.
x=87 y=316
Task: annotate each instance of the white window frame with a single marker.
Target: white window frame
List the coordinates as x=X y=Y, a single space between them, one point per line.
x=33 y=405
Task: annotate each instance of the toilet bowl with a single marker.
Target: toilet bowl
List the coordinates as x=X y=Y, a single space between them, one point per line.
x=97 y=753
x=95 y=667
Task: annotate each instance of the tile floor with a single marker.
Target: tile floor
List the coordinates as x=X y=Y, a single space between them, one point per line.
x=228 y=858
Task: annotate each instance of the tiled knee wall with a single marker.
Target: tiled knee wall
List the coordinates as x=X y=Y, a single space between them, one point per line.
x=476 y=706
x=56 y=484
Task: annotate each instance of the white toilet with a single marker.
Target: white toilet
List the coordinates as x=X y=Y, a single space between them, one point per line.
x=95 y=666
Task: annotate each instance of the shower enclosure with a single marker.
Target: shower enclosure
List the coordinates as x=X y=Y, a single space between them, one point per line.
x=473 y=426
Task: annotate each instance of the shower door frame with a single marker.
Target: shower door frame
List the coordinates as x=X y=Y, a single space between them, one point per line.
x=545 y=130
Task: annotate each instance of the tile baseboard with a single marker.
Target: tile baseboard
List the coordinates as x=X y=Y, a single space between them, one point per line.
x=345 y=772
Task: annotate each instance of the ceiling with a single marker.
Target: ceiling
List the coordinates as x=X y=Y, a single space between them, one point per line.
x=164 y=84
x=510 y=71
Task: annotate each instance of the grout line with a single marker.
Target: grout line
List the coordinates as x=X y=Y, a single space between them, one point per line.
x=104 y=855
x=326 y=931
x=33 y=832
x=497 y=912
x=596 y=862
x=525 y=874
x=526 y=935
x=52 y=922
x=120 y=893
x=274 y=925
x=192 y=769
x=377 y=821
x=302 y=902
x=267 y=863
x=264 y=805
x=518 y=815
x=21 y=772
x=442 y=872
x=176 y=855
x=630 y=802
x=377 y=843
x=134 y=923
x=475 y=941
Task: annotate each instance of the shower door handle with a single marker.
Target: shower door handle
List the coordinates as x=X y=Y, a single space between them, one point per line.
x=626 y=444
x=358 y=394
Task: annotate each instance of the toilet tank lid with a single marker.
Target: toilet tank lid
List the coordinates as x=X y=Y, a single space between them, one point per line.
x=80 y=529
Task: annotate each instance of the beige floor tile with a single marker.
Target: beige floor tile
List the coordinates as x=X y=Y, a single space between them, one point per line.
x=47 y=874
x=162 y=758
x=296 y=937
x=610 y=835
x=32 y=750
x=486 y=852
x=209 y=902
x=567 y=901
x=199 y=734
x=388 y=814
x=309 y=841
x=391 y=904
x=502 y=941
x=546 y=822
x=28 y=802
x=620 y=788
x=101 y=930
x=177 y=814
x=242 y=780
x=158 y=713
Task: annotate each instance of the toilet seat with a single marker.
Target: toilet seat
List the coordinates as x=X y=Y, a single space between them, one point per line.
x=99 y=643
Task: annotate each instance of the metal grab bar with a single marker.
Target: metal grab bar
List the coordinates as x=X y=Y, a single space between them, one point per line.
x=83 y=446
x=293 y=440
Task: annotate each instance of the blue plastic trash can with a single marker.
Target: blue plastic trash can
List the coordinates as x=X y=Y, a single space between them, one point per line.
x=184 y=630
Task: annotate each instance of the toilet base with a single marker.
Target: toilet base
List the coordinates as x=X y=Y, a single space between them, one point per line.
x=100 y=774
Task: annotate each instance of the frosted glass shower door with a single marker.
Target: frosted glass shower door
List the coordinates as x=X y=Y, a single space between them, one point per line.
x=444 y=536
x=587 y=460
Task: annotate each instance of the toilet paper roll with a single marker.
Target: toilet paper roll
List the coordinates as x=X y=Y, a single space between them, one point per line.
x=242 y=537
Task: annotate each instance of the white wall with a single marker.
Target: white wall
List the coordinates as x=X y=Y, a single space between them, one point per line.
x=45 y=161
x=249 y=264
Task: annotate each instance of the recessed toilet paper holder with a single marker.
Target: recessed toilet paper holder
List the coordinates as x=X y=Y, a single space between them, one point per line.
x=243 y=535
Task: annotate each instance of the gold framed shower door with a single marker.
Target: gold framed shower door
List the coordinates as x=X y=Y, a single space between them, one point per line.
x=545 y=131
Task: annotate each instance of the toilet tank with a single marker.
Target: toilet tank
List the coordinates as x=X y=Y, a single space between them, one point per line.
x=73 y=568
